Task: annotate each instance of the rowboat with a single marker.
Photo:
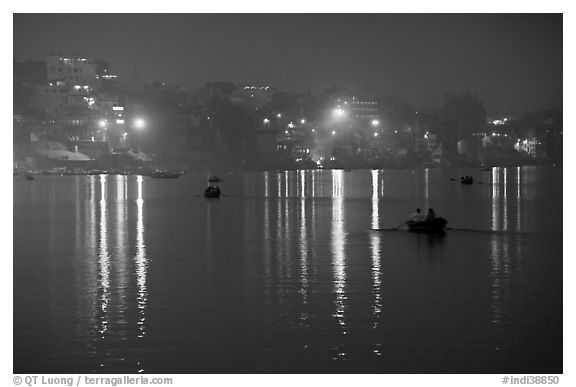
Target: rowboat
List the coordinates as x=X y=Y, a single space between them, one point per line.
x=212 y=192
x=436 y=225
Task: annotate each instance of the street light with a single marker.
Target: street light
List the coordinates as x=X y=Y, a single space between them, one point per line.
x=375 y=122
x=139 y=123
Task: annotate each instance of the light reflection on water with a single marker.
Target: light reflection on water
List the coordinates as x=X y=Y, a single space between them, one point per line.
x=141 y=262
x=338 y=242
x=103 y=261
x=113 y=266
x=296 y=268
x=303 y=257
x=375 y=241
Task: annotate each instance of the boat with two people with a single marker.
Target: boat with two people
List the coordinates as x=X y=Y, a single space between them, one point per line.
x=426 y=224
x=466 y=180
x=212 y=191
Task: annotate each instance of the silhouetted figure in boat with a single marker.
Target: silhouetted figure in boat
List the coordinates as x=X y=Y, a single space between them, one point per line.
x=416 y=216
x=431 y=215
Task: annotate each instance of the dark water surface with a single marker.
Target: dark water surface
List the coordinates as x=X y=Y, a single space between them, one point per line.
x=283 y=274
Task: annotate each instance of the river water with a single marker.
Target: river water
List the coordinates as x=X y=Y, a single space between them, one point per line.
x=284 y=273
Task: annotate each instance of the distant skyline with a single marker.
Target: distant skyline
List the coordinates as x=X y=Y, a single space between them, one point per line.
x=512 y=61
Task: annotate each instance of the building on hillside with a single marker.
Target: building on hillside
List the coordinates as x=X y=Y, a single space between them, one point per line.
x=73 y=69
x=255 y=95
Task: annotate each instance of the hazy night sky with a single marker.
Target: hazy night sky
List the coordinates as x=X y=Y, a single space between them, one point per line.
x=512 y=61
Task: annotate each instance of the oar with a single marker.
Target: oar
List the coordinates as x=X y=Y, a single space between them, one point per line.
x=390 y=229
x=400 y=225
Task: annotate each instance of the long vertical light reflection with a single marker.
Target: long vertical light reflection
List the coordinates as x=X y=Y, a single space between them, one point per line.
x=91 y=235
x=103 y=261
x=375 y=209
x=79 y=266
x=313 y=183
x=495 y=199
x=286 y=185
x=279 y=179
x=500 y=273
x=141 y=261
x=267 y=243
x=375 y=254
x=302 y=184
x=500 y=261
x=518 y=197
x=505 y=201
x=338 y=246
x=266 y=184
x=120 y=261
x=287 y=238
x=303 y=259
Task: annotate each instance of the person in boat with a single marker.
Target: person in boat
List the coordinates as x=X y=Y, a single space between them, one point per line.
x=213 y=188
x=431 y=215
x=416 y=216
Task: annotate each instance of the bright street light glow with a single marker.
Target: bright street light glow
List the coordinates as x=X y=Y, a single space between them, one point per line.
x=375 y=134
x=303 y=121
x=333 y=132
x=279 y=115
x=102 y=123
x=139 y=123
x=266 y=120
x=375 y=122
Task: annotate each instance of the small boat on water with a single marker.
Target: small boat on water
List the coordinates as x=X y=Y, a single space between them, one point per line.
x=214 y=179
x=212 y=192
x=436 y=225
x=466 y=180
x=29 y=177
x=164 y=174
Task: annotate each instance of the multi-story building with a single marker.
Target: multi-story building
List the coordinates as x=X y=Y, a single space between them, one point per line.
x=74 y=69
x=364 y=109
x=255 y=95
x=69 y=85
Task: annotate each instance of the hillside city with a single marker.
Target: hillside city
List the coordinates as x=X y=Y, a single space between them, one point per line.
x=72 y=112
